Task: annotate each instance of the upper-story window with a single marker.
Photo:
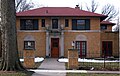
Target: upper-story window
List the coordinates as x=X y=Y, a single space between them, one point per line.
x=103 y=27
x=66 y=23
x=28 y=24
x=54 y=23
x=80 y=24
x=43 y=22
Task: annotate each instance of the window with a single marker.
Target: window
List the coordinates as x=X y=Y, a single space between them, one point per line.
x=80 y=24
x=81 y=46
x=107 y=48
x=43 y=23
x=54 y=23
x=103 y=27
x=66 y=23
x=29 y=45
x=28 y=24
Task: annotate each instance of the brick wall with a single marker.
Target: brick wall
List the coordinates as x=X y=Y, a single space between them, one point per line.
x=93 y=42
x=93 y=38
x=39 y=42
x=114 y=37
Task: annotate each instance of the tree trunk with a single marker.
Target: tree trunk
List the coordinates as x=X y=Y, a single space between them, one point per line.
x=10 y=59
x=0 y=45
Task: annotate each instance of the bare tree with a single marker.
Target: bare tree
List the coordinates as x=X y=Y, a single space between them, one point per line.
x=110 y=11
x=93 y=7
x=81 y=7
x=10 y=60
x=22 y=5
x=116 y=27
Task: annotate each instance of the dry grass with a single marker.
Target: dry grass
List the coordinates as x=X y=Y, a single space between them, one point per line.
x=79 y=74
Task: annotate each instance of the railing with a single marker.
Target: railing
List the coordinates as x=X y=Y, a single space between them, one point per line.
x=90 y=62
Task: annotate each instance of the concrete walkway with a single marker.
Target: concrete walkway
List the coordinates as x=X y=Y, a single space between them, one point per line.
x=76 y=71
x=51 y=67
x=50 y=64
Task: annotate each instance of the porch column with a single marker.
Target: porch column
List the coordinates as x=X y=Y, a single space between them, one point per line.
x=62 y=44
x=47 y=44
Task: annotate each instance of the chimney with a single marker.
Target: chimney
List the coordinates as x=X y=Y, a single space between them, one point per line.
x=46 y=11
x=77 y=7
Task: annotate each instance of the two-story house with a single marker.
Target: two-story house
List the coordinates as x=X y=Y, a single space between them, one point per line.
x=50 y=32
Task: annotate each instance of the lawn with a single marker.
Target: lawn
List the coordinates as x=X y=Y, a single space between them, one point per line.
x=79 y=74
x=11 y=73
x=37 y=64
x=99 y=66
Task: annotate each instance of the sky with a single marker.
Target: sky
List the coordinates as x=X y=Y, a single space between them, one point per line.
x=73 y=3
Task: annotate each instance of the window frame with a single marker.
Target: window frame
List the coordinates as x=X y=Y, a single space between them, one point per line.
x=66 y=22
x=42 y=22
x=26 y=47
x=107 y=48
x=101 y=27
x=24 y=26
x=55 y=23
x=82 y=48
x=75 y=24
x=81 y=24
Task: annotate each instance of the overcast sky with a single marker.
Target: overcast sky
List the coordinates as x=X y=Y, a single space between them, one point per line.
x=73 y=3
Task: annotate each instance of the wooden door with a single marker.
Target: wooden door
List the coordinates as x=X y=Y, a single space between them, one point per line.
x=55 y=47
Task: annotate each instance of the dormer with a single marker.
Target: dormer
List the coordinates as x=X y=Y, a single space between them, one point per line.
x=106 y=26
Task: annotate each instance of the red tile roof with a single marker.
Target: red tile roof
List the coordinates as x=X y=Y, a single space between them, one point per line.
x=107 y=23
x=59 y=11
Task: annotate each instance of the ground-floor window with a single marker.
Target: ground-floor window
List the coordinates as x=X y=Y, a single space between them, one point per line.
x=81 y=46
x=29 y=45
x=107 y=48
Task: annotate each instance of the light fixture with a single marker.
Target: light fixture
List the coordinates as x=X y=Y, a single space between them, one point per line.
x=73 y=44
x=29 y=43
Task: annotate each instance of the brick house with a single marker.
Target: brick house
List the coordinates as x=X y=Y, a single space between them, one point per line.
x=50 y=32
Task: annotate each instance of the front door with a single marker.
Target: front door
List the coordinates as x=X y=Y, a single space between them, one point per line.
x=81 y=46
x=55 y=47
x=106 y=48
x=54 y=23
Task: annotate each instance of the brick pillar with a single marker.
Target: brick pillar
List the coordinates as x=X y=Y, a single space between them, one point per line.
x=29 y=56
x=72 y=59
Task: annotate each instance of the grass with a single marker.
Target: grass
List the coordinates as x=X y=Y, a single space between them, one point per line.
x=13 y=73
x=20 y=73
x=37 y=64
x=99 y=66
x=80 y=74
